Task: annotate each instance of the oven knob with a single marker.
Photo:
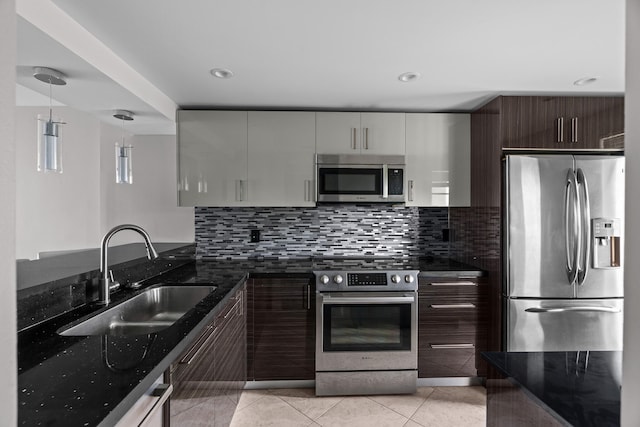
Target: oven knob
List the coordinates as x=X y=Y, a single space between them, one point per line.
x=324 y=279
x=337 y=278
x=395 y=278
x=408 y=278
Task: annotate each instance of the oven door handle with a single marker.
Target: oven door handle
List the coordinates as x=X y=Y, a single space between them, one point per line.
x=367 y=300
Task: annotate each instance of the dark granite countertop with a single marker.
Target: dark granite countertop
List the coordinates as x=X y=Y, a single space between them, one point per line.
x=580 y=389
x=93 y=380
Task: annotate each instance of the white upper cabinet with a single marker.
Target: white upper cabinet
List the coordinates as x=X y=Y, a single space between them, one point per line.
x=438 y=159
x=281 y=158
x=212 y=158
x=360 y=133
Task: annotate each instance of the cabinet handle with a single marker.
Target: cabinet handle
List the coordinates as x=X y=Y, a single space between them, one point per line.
x=560 y=128
x=161 y=393
x=410 y=190
x=574 y=129
x=453 y=284
x=447 y=306
x=308 y=297
x=451 y=346
x=354 y=141
x=238 y=190
x=198 y=346
x=308 y=191
x=366 y=138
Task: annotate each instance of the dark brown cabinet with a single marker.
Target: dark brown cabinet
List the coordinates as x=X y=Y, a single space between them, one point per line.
x=452 y=327
x=568 y=123
x=209 y=377
x=281 y=329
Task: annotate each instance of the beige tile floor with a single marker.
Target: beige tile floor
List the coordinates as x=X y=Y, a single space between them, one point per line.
x=430 y=406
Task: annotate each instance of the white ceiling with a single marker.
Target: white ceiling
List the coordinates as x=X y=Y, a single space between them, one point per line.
x=331 y=54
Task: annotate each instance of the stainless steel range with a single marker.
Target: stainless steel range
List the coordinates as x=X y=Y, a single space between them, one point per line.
x=366 y=332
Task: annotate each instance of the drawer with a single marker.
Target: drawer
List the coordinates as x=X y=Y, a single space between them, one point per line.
x=452 y=289
x=447 y=360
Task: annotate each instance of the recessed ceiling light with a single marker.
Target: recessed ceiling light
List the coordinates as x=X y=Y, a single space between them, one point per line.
x=585 y=81
x=221 y=73
x=409 y=77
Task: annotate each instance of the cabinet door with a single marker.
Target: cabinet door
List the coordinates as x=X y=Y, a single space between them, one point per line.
x=534 y=122
x=338 y=133
x=281 y=158
x=595 y=122
x=283 y=330
x=212 y=153
x=383 y=133
x=438 y=166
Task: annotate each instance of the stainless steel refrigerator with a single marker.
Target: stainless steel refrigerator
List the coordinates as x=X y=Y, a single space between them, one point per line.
x=564 y=239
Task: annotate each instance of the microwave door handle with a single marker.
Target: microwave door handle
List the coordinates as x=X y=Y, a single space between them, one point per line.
x=385 y=181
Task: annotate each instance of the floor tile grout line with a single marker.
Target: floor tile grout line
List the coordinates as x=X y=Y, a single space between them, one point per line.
x=296 y=409
x=433 y=389
x=250 y=404
x=330 y=408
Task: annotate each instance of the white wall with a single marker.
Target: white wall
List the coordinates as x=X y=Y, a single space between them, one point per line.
x=57 y=211
x=151 y=201
x=73 y=210
x=631 y=355
x=8 y=365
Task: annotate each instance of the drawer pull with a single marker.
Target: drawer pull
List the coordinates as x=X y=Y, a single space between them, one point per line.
x=453 y=284
x=198 y=346
x=451 y=346
x=438 y=306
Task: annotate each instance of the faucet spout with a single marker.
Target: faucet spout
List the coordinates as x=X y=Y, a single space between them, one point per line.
x=105 y=282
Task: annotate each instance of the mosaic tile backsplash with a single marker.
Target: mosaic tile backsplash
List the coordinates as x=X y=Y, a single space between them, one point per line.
x=324 y=231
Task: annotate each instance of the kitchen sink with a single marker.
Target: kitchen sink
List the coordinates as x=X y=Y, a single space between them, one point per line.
x=151 y=311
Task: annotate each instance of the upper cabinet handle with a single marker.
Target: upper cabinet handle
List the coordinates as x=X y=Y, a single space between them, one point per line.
x=560 y=129
x=366 y=138
x=574 y=129
x=354 y=141
x=410 y=190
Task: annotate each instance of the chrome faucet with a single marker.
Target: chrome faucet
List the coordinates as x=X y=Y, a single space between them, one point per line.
x=106 y=283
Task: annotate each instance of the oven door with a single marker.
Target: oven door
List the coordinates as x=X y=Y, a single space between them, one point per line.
x=358 y=331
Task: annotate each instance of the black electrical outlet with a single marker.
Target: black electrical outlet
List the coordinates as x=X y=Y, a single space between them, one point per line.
x=255 y=236
x=447 y=235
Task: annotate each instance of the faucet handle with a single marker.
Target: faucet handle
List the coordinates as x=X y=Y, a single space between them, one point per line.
x=113 y=285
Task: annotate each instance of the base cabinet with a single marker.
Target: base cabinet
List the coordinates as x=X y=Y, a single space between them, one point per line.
x=209 y=377
x=452 y=327
x=281 y=329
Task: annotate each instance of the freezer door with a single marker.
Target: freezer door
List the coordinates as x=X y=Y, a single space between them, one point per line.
x=535 y=237
x=605 y=183
x=564 y=325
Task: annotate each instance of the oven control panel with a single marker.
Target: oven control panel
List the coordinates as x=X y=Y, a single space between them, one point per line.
x=354 y=281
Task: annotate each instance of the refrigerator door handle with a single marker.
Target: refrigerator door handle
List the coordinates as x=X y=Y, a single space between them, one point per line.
x=604 y=308
x=585 y=211
x=571 y=226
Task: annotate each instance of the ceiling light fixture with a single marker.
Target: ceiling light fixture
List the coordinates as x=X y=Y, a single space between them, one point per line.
x=585 y=81
x=49 y=128
x=410 y=76
x=221 y=73
x=124 y=171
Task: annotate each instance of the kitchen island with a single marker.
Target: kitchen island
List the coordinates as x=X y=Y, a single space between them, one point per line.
x=580 y=389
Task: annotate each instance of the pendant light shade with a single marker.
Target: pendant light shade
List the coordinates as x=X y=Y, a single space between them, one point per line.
x=124 y=152
x=49 y=127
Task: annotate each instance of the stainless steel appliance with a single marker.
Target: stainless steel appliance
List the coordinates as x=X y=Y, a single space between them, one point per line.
x=366 y=332
x=564 y=231
x=360 y=178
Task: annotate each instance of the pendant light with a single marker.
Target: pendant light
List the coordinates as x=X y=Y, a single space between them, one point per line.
x=49 y=128
x=124 y=171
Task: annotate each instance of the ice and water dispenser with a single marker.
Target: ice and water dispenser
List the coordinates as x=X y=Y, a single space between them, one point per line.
x=606 y=242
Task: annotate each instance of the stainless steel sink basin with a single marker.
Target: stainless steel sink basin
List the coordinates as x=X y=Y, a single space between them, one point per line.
x=151 y=311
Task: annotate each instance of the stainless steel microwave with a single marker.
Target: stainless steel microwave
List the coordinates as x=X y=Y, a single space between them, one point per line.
x=360 y=178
